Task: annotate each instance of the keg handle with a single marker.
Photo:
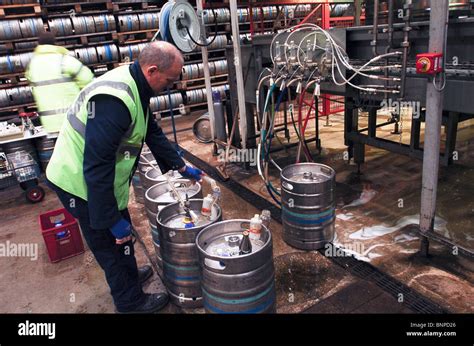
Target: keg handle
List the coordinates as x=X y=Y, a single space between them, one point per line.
x=173 y=188
x=287 y=185
x=213 y=264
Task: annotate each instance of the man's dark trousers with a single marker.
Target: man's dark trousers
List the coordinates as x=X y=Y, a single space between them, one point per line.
x=117 y=261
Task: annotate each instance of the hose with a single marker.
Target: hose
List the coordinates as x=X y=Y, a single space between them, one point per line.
x=207 y=44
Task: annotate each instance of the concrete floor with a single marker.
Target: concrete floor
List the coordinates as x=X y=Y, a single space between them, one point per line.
x=377 y=211
x=306 y=281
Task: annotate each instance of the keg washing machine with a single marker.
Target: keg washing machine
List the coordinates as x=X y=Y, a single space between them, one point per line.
x=384 y=66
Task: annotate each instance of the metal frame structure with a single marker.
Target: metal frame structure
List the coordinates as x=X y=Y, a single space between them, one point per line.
x=236 y=72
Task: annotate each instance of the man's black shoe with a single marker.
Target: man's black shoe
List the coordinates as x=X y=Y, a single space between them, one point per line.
x=144 y=273
x=153 y=303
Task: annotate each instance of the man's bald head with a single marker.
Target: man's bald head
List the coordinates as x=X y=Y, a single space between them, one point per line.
x=161 y=63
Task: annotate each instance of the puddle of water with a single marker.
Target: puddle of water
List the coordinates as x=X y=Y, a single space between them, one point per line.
x=365 y=197
x=303 y=277
x=345 y=217
x=381 y=230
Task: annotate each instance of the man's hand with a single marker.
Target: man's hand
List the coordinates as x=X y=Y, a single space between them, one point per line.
x=122 y=231
x=191 y=173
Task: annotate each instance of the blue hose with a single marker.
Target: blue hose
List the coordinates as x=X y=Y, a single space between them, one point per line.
x=164 y=27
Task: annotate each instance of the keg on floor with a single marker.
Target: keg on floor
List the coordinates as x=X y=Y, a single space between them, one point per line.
x=45 y=148
x=153 y=177
x=179 y=253
x=239 y=283
x=159 y=196
x=308 y=205
x=138 y=189
x=145 y=163
x=202 y=129
x=138 y=180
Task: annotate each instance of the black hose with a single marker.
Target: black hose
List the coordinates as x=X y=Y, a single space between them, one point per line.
x=215 y=32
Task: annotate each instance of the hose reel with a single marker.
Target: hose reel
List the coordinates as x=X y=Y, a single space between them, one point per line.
x=178 y=19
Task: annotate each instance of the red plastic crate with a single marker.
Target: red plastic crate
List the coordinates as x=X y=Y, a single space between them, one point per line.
x=62 y=241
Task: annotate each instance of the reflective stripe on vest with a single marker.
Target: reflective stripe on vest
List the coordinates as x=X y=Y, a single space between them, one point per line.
x=53 y=112
x=78 y=125
x=51 y=81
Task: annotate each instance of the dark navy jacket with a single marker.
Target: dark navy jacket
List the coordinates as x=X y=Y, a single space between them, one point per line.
x=103 y=137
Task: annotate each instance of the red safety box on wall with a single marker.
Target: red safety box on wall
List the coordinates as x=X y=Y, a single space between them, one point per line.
x=429 y=63
x=61 y=235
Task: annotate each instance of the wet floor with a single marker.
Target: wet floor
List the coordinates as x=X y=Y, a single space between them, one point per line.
x=378 y=210
x=375 y=216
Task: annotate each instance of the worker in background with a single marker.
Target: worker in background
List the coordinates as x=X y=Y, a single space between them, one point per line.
x=56 y=79
x=96 y=155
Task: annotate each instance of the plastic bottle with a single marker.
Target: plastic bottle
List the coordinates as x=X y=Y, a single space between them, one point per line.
x=266 y=218
x=206 y=205
x=255 y=227
x=245 y=245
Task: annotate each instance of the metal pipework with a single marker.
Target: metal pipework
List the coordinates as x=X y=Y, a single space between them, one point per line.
x=405 y=45
x=389 y=39
x=375 y=29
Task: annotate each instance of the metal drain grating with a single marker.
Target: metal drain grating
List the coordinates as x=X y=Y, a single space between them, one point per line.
x=411 y=299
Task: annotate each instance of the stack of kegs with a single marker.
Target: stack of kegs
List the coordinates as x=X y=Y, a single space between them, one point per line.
x=199 y=95
x=195 y=96
x=128 y=22
x=104 y=23
x=93 y=24
x=22 y=28
x=219 y=42
x=243 y=15
x=15 y=96
x=161 y=195
x=217 y=68
x=108 y=53
x=149 y=21
x=61 y=26
x=222 y=15
x=162 y=102
x=14 y=63
x=130 y=52
x=291 y=11
x=194 y=71
x=87 y=55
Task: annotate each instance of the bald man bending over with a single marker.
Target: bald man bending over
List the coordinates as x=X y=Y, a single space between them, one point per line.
x=96 y=156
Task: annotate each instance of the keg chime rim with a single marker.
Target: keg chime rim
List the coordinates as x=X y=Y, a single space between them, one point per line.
x=304 y=173
x=161 y=224
x=240 y=221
